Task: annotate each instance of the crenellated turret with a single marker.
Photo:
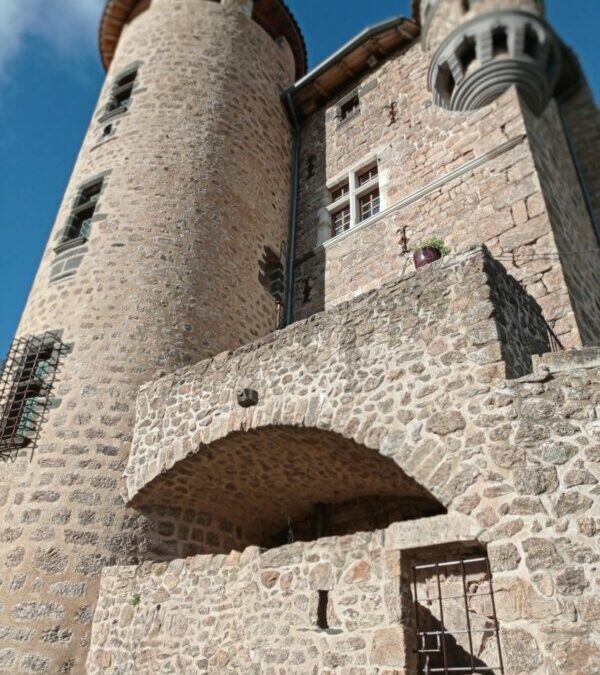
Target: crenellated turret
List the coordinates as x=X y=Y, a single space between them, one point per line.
x=480 y=48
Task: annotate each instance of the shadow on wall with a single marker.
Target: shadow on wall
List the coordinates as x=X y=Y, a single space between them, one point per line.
x=520 y=324
x=275 y=485
x=446 y=593
x=309 y=283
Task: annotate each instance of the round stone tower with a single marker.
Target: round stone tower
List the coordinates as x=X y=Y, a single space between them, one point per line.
x=178 y=203
x=480 y=48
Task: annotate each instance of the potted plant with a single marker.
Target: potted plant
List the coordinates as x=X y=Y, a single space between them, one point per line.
x=430 y=250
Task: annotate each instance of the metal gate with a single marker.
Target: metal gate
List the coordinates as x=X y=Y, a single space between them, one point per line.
x=456 y=625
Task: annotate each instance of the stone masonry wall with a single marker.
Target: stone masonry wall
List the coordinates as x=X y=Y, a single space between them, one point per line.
x=575 y=243
x=381 y=368
x=447 y=15
x=469 y=178
x=257 y=612
x=582 y=117
x=169 y=275
x=535 y=443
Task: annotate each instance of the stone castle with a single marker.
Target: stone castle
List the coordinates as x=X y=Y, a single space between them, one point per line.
x=242 y=433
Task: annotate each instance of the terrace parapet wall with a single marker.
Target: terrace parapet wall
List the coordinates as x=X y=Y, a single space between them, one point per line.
x=399 y=369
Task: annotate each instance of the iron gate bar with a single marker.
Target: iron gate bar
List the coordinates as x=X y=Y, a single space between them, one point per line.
x=469 y=561
x=441 y=634
x=466 y=669
x=459 y=632
x=489 y=571
x=439 y=585
x=464 y=585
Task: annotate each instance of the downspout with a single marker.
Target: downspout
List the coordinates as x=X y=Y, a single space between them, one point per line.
x=291 y=257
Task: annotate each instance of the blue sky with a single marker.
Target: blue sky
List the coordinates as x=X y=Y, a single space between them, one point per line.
x=50 y=76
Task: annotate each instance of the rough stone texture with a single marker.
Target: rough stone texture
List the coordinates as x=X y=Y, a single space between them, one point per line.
x=386 y=371
x=501 y=450
x=524 y=202
x=147 y=618
x=183 y=217
x=414 y=395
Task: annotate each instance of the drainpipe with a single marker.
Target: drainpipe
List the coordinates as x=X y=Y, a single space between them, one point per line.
x=289 y=290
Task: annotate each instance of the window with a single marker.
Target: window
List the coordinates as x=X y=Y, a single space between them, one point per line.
x=271 y=274
x=368 y=175
x=26 y=381
x=349 y=106
x=340 y=191
x=369 y=205
x=340 y=221
x=81 y=218
x=355 y=199
x=120 y=96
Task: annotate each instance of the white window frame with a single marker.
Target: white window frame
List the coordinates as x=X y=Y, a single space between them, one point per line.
x=355 y=192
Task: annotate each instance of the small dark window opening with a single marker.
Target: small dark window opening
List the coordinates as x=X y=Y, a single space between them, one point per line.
x=271 y=274
x=122 y=91
x=445 y=82
x=306 y=291
x=467 y=53
x=322 y=610
x=500 y=41
x=26 y=380
x=466 y=6
x=532 y=43
x=85 y=206
x=352 y=105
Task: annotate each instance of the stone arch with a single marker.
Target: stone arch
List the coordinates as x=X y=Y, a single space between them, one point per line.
x=276 y=484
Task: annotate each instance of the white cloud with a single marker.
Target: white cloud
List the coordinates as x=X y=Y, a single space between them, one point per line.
x=67 y=25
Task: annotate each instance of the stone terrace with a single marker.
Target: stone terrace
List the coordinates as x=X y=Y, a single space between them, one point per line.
x=434 y=373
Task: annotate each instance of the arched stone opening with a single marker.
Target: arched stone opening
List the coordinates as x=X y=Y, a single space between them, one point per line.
x=279 y=484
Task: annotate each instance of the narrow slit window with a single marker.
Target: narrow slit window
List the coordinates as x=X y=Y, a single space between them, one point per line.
x=500 y=41
x=349 y=107
x=340 y=221
x=466 y=6
x=271 y=274
x=467 y=53
x=121 y=93
x=322 y=610
x=85 y=207
x=532 y=43
x=369 y=205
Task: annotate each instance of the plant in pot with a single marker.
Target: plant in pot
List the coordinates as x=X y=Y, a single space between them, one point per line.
x=430 y=250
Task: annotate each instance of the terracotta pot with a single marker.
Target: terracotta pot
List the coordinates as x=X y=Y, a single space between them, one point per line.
x=424 y=256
